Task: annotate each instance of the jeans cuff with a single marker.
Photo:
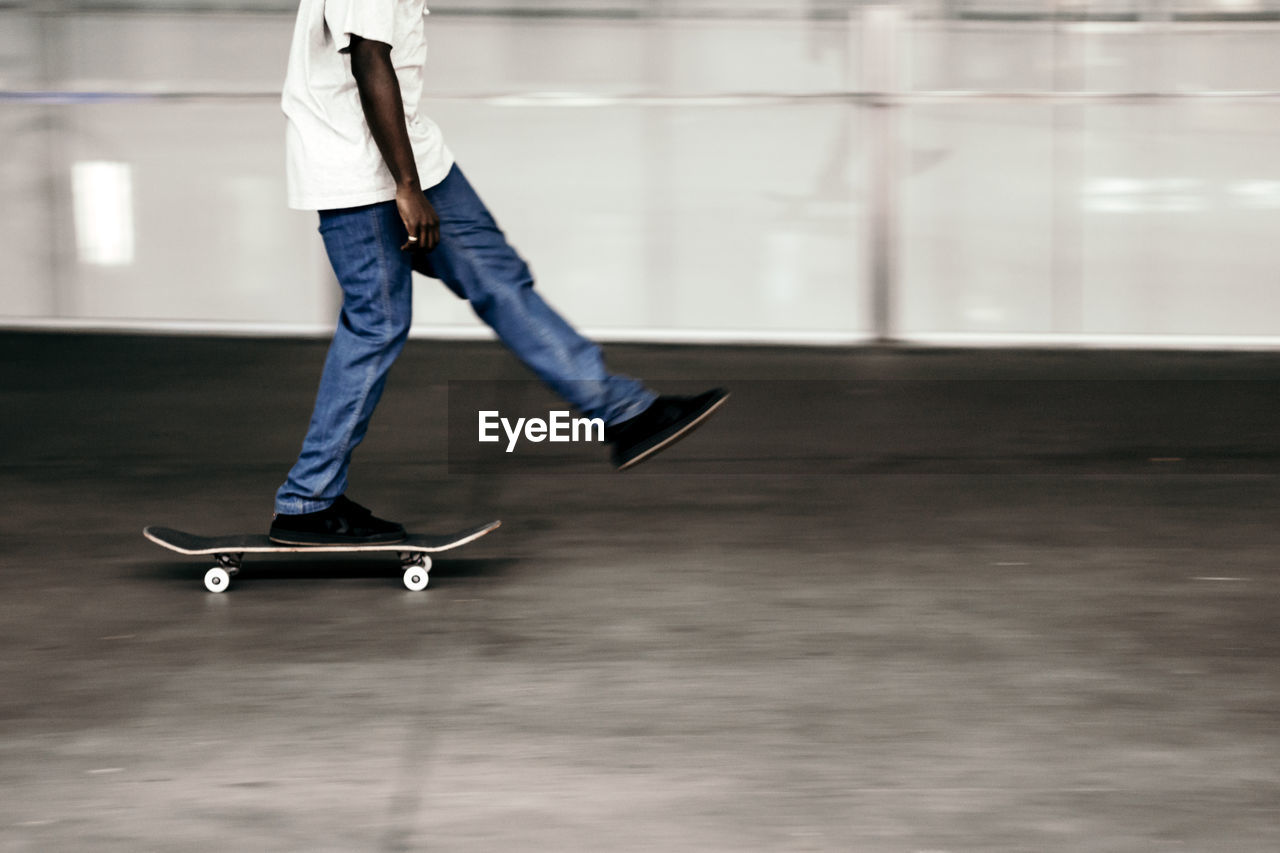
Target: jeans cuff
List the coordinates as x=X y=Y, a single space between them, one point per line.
x=298 y=507
x=633 y=409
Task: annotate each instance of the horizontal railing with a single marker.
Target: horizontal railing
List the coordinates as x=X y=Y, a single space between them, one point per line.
x=68 y=97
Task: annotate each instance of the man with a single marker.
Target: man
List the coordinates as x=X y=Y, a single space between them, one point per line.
x=391 y=200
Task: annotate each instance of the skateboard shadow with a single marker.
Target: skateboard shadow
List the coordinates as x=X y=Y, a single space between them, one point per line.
x=445 y=571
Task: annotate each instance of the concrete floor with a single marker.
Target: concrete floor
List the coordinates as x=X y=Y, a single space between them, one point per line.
x=917 y=601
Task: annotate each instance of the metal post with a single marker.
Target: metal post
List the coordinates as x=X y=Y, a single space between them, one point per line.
x=55 y=124
x=882 y=28
x=1066 y=236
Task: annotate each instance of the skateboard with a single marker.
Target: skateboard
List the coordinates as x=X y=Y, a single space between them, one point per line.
x=229 y=551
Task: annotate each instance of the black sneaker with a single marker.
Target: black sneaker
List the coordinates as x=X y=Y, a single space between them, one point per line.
x=666 y=421
x=346 y=522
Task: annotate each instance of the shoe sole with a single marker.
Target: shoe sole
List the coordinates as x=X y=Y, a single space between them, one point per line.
x=676 y=436
x=347 y=541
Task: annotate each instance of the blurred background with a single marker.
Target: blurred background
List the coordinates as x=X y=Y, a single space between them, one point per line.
x=825 y=171
x=892 y=599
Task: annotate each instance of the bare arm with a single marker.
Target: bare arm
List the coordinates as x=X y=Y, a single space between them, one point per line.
x=384 y=111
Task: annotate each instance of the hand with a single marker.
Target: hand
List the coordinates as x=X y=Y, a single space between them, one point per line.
x=419 y=218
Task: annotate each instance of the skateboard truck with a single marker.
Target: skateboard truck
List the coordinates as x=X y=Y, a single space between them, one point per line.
x=219 y=577
x=417 y=569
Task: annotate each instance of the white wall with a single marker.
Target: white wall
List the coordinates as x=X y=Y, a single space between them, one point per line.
x=673 y=218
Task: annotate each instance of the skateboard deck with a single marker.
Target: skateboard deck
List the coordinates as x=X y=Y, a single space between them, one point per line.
x=228 y=551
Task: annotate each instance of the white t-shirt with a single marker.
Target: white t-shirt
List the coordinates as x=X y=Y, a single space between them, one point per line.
x=332 y=160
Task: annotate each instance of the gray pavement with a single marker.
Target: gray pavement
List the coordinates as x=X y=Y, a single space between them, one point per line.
x=888 y=600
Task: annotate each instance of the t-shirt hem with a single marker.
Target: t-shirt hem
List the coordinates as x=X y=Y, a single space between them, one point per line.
x=387 y=193
x=337 y=202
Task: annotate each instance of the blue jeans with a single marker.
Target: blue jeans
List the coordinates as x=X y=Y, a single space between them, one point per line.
x=475 y=261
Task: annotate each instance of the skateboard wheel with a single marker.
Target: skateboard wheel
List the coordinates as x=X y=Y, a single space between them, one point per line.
x=217 y=579
x=417 y=577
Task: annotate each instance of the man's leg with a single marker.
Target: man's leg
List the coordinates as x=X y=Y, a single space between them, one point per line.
x=363 y=247
x=476 y=262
